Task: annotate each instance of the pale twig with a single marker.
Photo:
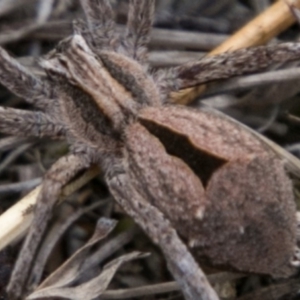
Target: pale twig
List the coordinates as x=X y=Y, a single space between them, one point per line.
x=261 y=29
x=15 y=221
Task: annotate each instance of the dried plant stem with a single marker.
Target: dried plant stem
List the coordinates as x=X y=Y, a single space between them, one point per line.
x=260 y=30
x=250 y=81
x=165 y=287
x=15 y=221
x=170 y=38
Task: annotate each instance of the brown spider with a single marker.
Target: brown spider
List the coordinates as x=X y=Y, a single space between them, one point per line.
x=168 y=166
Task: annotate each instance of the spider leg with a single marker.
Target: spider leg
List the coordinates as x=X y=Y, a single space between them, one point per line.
x=138 y=28
x=100 y=19
x=226 y=65
x=194 y=283
x=19 y=122
x=58 y=175
x=23 y=83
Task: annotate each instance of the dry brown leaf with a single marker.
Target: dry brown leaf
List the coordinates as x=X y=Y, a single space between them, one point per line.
x=92 y=288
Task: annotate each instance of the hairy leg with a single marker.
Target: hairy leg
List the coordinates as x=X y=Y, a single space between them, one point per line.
x=23 y=83
x=58 y=176
x=100 y=19
x=226 y=65
x=19 y=122
x=138 y=29
x=193 y=283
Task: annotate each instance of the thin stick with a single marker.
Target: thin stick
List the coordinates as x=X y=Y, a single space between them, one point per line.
x=167 y=38
x=250 y=81
x=165 y=287
x=19 y=186
x=260 y=30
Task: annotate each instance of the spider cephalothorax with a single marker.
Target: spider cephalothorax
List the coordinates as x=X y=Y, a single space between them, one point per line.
x=169 y=167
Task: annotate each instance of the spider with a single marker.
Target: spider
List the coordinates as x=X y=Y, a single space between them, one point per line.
x=101 y=96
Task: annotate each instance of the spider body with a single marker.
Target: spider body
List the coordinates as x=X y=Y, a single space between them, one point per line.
x=211 y=178
x=169 y=167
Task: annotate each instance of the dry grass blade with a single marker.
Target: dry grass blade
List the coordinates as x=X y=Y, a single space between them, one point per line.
x=71 y=269
x=91 y=289
x=57 y=283
x=54 y=234
x=162 y=288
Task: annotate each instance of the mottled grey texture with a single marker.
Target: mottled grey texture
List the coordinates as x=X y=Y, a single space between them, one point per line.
x=184 y=175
